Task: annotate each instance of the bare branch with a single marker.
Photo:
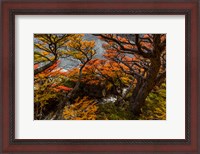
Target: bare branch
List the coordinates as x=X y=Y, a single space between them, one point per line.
x=131 y=51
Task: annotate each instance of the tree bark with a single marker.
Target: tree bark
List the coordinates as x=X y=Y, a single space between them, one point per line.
x=160 y=79
x=143 y=88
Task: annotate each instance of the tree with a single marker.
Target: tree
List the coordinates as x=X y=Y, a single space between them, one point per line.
x=109 y=74
x=132 y=72
x=83 y=51
x=146 y=65
x=48 y=48
x=46 y=88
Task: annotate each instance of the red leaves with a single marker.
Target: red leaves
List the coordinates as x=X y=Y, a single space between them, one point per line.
x=51 y=71
x=36 y=66
x=55 y=65
x=147 y=45
x=62 y=88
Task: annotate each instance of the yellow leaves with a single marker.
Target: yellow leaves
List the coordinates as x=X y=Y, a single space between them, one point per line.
x=39 y=45
x=79 y=48
x=126 y=80
x=76 y=54
x=72 y=44
x=155 y=107
x=87 y=44
x=81 y=109
x=44 y=53
x=41 y=75
x=92 y=52
x=48 y=46
x=109 y=86
x=43 y=91
x=44 y=85
x=79 y=56
x=74 y=41
x=76 y=37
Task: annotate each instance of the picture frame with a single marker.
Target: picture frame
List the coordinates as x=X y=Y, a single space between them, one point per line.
x=190 y=9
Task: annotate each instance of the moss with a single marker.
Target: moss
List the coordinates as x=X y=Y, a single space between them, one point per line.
x=155 y=106
x=109 y=111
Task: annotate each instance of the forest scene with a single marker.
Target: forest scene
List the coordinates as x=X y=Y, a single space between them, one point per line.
x=99 y=76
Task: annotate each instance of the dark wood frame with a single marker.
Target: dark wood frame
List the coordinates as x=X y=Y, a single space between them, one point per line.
x=189 y=8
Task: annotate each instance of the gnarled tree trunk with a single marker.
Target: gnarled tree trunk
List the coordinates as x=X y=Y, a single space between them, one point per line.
x=144 y=87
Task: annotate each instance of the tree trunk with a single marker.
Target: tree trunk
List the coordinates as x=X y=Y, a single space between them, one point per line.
x=144 y=87
x=59 y=111
x=43 y=68
x=160 y=79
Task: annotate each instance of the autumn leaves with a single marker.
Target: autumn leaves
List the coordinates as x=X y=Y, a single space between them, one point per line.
x=133 y=63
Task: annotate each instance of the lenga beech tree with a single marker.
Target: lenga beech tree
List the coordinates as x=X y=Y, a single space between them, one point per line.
x=48 y=48
x=83 y=51
x=147 y=64
x=53 y=46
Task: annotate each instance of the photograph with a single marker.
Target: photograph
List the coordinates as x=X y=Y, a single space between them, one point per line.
x=99 y=76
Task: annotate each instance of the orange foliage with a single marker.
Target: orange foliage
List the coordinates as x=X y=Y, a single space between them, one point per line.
x=51 y=71
x=36 y=66
x=96 y=72
x=122 y=39
x=56 y=73
x=129 y=46
x=82 y=109
x=147 y=45
x=80 y=49
x=110 y=53
x=62 y=88
x=72 y=74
